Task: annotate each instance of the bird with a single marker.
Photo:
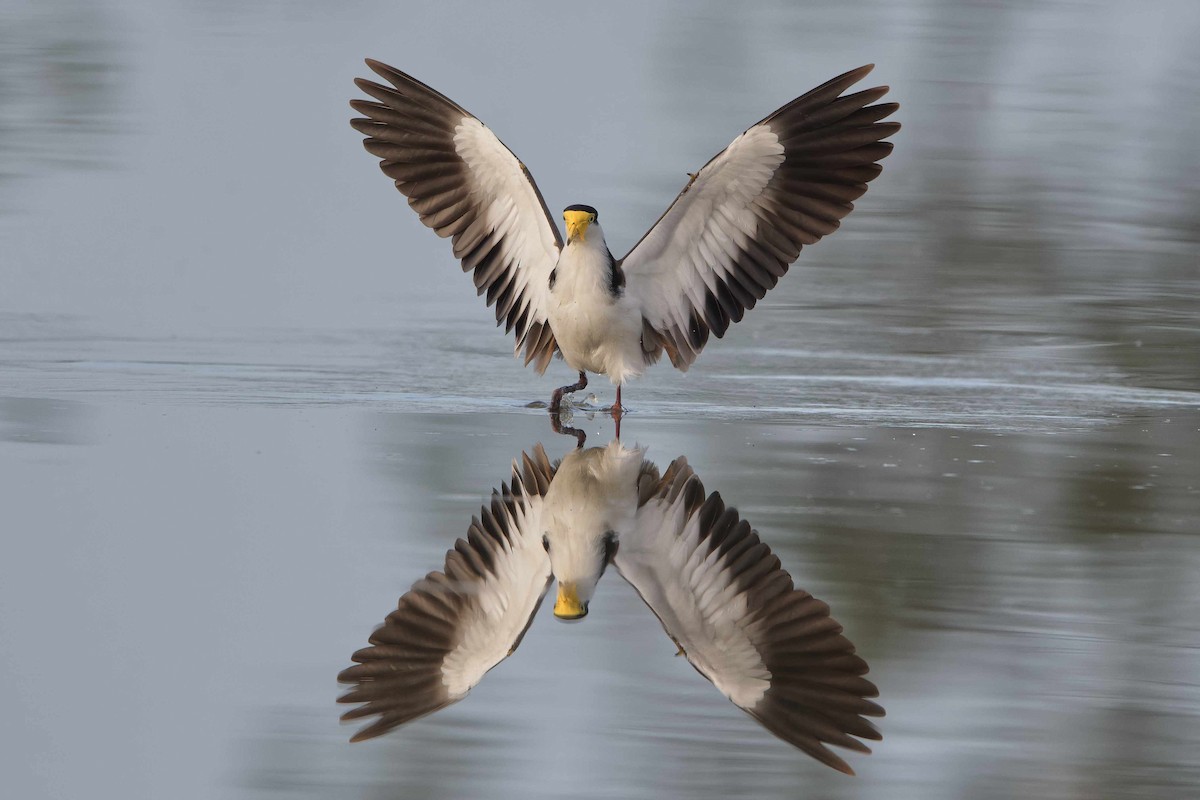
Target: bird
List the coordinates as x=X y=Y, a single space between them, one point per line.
x=726 y=240
x=721 y=595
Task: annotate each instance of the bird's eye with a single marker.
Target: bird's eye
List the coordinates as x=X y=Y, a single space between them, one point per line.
x=546 y=543
x=610 y=547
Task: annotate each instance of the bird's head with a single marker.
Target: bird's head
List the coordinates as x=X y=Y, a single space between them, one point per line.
x=592 y=498
x=578 y=569
x=583 y=226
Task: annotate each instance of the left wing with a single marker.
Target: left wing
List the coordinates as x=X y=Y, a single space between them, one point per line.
x=465 y=184
x=724 y=599
x=455 y=625
x=741 y=221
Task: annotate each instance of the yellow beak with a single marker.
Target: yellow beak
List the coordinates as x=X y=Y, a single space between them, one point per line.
x=577 y=225
x=567 y=606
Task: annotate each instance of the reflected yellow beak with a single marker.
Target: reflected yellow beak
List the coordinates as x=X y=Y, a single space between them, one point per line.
x=577 y=225
x=567 y=606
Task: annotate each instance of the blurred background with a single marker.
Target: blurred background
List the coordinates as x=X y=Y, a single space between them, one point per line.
x=246 y=399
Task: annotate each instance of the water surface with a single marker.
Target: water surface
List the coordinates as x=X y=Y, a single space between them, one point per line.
x=246 y=399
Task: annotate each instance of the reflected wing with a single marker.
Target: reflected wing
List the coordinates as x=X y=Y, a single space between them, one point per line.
x=741 y=221
x=722 y=596
x=465 y=184
x=454 y=626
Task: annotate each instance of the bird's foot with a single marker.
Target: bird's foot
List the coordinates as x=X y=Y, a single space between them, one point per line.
x=556 y=398
x=616 y=409
x=556 y=424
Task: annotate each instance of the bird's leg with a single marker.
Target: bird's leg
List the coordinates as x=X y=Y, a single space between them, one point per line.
x=618 y=411
x=556 y=400
x=580 y=436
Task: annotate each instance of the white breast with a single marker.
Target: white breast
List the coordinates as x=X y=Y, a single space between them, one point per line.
x=594 y=492
x=595 y=330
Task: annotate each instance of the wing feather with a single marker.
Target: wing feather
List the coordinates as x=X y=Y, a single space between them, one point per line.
x=744 y=217
x=466 y=185
x=453 y=626
x=723 y=597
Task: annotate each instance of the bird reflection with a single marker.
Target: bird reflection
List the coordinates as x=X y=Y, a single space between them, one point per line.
x=718 y=590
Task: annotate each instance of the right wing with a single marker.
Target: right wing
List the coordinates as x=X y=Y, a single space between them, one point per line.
x=464 y=183
x=454 y=626
x=742 y=219
x=724 y=599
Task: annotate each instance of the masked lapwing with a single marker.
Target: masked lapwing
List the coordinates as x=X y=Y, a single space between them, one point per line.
x=727 y=239
x=721 y=594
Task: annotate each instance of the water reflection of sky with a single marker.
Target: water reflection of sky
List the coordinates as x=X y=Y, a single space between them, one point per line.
x=246 y=398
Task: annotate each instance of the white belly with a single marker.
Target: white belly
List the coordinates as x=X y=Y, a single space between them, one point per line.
x=596 y=332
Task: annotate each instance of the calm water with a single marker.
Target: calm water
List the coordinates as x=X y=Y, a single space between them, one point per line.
x=246 y=399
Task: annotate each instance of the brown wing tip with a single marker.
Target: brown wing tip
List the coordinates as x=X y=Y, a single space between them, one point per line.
x=364 y=84
x=356 y=713
x=835 y=86
x=380 y=68
x=889 y=128
x=855 y=75
x=372 y=731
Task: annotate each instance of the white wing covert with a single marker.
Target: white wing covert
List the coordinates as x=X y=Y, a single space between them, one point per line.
x=455 y=625
x=744 y=217
x=724 y=599
x=464 y=183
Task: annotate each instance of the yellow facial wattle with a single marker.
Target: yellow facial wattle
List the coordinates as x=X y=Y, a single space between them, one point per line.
x=577 y=224
x=568 y=606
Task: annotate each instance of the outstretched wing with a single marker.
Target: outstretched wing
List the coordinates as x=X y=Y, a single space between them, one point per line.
x=454 y=626
x=722 y=596
x=465 y=184
x=742 y=220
